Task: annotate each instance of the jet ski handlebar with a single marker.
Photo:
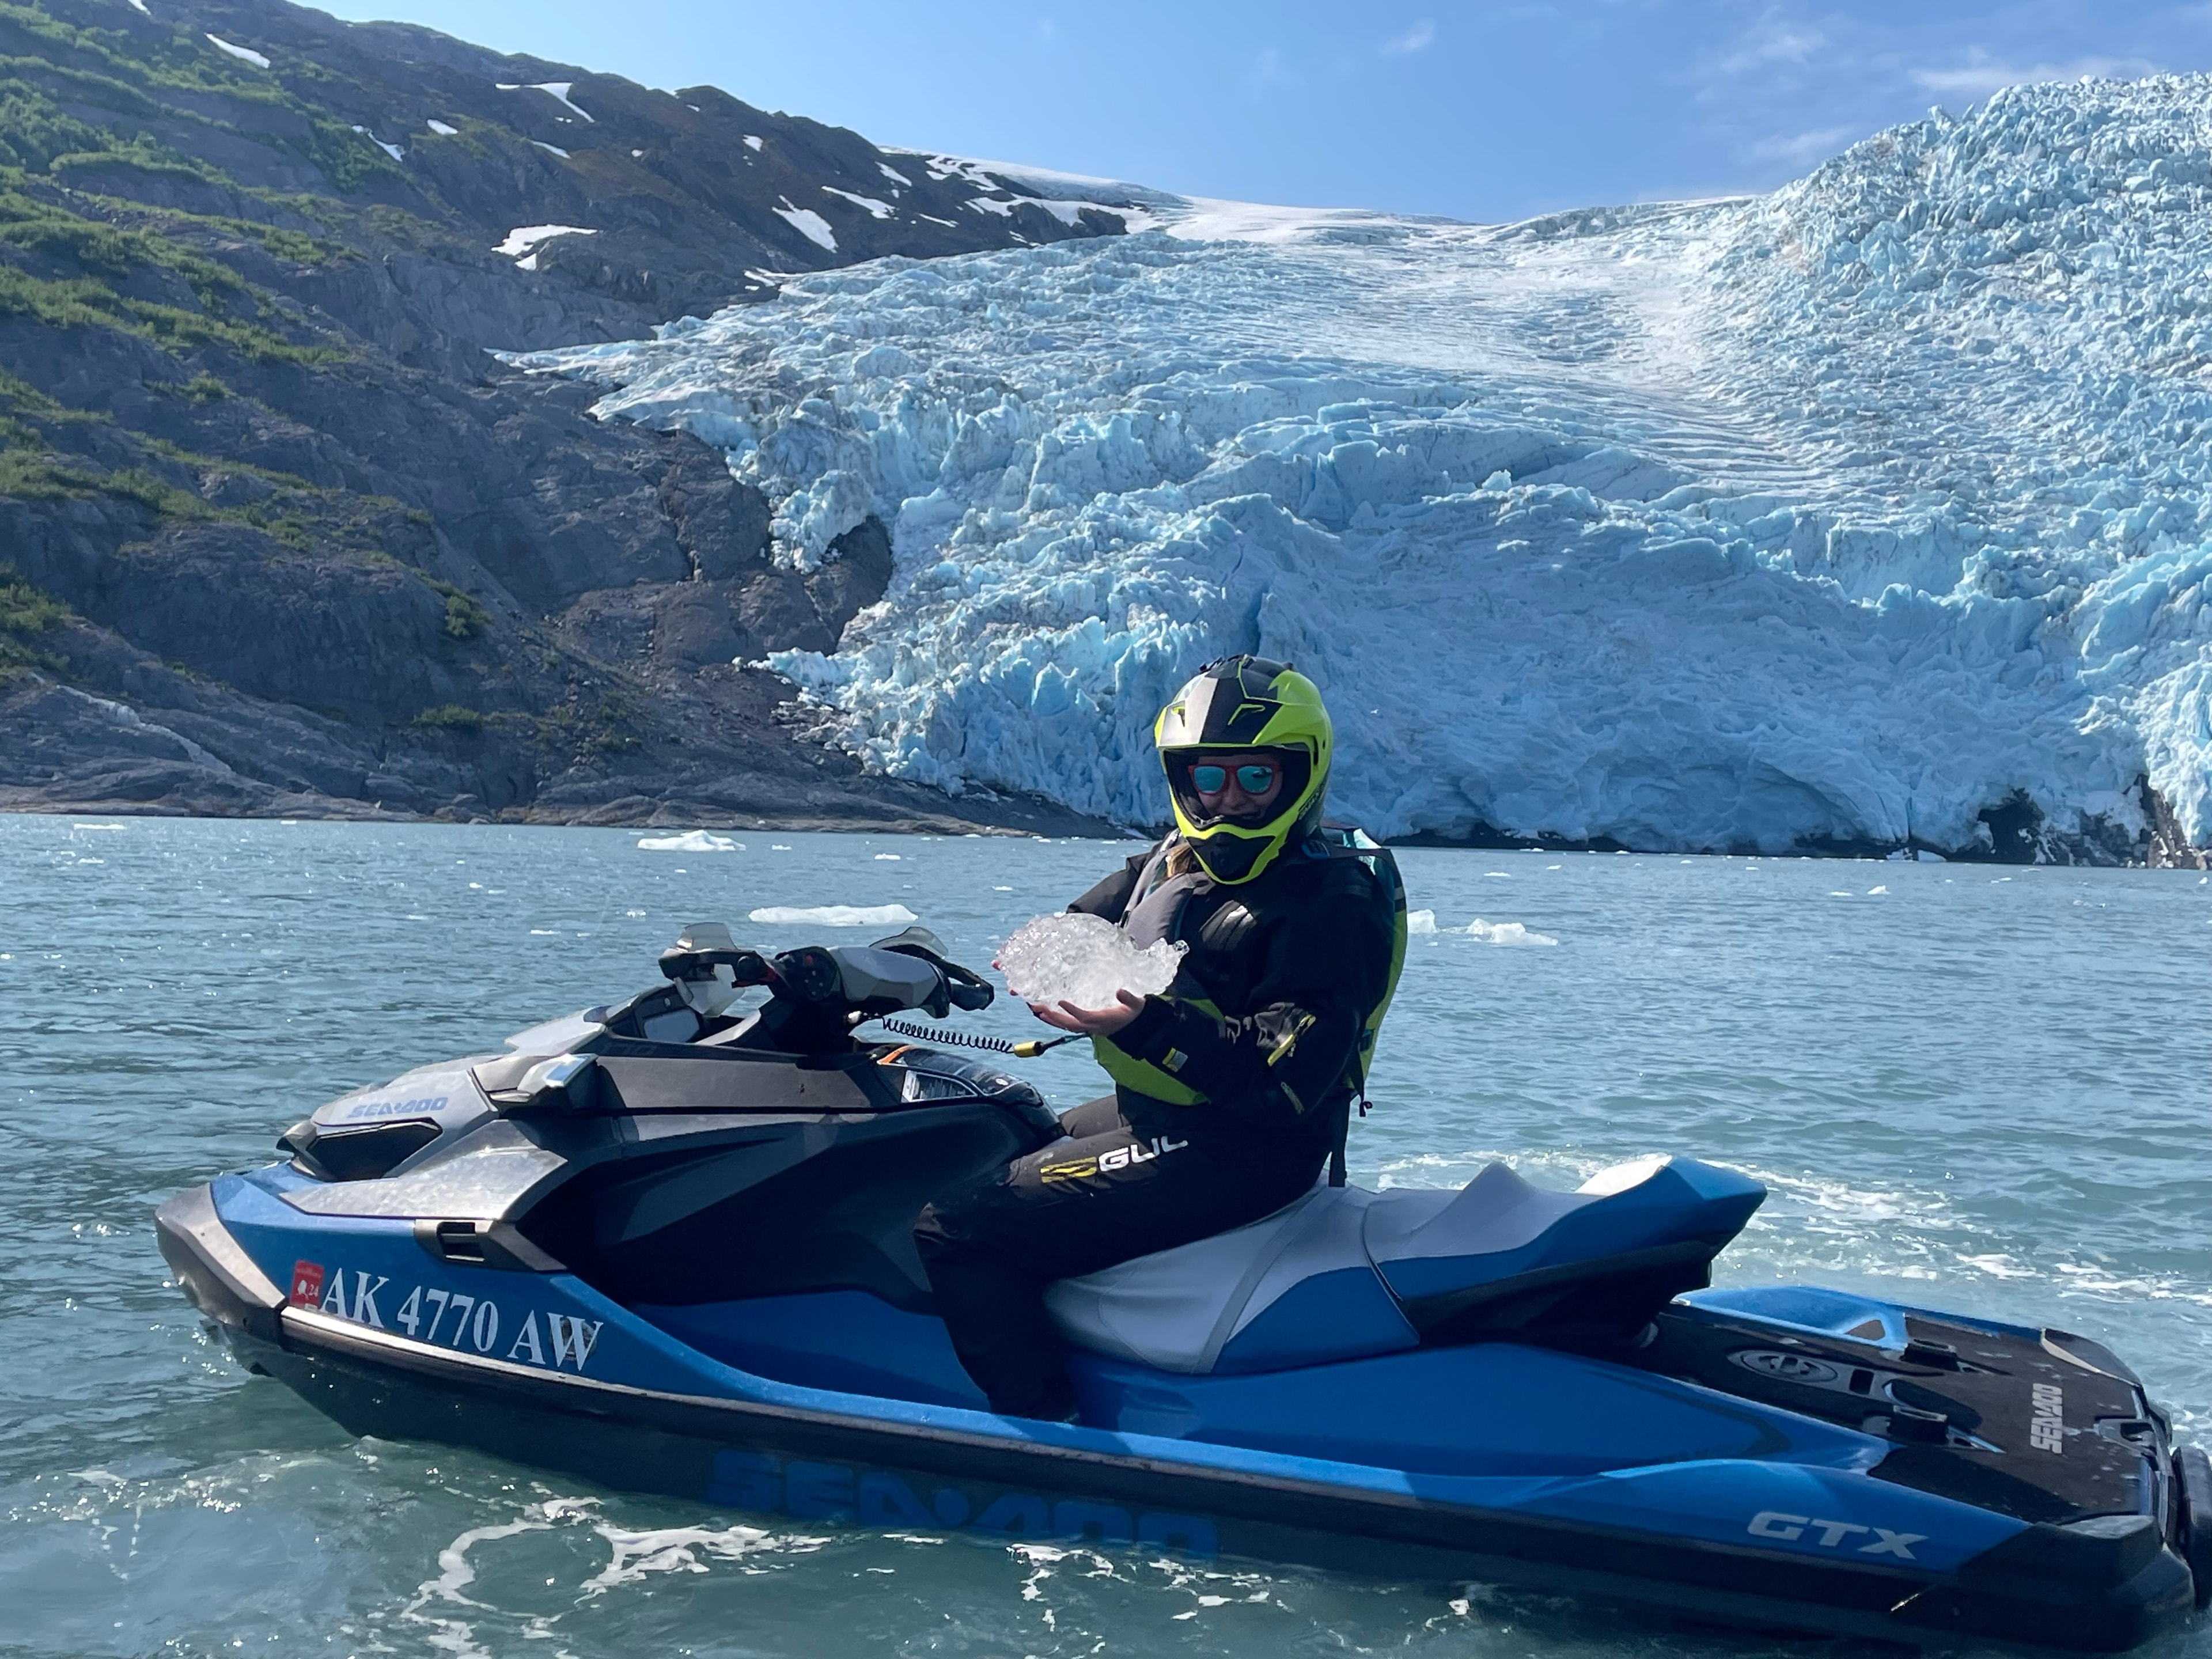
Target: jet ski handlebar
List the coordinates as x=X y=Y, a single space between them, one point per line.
x=908 y=971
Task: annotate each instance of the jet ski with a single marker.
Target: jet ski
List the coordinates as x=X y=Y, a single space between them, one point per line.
x=664 y=1245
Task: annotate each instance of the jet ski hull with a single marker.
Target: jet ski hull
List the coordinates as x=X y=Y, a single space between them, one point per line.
x=1764 y=1544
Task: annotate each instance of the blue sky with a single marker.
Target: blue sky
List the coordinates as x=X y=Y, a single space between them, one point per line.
x=1477 y=110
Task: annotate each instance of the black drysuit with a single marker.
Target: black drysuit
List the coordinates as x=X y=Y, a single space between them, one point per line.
x=1295 y=961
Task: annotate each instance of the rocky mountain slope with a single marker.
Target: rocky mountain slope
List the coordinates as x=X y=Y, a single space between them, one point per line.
x=278 y=533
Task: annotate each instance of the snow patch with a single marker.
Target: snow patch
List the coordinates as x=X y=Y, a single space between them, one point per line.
x=442 y=130
x=522 y=238
x=876 y=210
x=894 y=174
x=550 y=149
x=1070 y=956
x=392 y=150
x=140 y=6
x=558 y=91
x=833 y=916
x=808 y=224
x=752 y=140
x=244 y=54
x=691 y=840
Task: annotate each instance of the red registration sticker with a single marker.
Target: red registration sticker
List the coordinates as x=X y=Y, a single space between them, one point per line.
x=306 y=1283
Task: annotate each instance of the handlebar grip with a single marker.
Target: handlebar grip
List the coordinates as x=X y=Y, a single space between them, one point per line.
x=746 y=967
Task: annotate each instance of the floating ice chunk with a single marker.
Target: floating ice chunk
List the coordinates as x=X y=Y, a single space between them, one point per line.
x=691 y=840
x=1506 y=933
x=1084 y=960
x=442 y=130
x=96 y=826
x=1420 y=921
x=244 y=54
x=1871 y=892
x=876 y=210
x=833 y=916
x=887 y=858
x=522 y=238
x=808 y=224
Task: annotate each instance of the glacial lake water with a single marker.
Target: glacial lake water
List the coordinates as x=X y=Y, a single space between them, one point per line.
x=1986 y=1089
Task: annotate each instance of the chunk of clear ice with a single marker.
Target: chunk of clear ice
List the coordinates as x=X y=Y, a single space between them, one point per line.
x=1084 y=960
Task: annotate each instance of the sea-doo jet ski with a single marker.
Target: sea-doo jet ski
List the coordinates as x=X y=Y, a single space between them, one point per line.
x=664 y=1245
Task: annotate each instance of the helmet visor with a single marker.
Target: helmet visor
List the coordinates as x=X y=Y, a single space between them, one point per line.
x=1220 y=787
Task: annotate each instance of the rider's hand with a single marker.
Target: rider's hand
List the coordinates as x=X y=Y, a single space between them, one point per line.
x=1090 y=1022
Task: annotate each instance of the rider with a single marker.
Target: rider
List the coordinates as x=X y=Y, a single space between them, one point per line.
x=1234 y=1088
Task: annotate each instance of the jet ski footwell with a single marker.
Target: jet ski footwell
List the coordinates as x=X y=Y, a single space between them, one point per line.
x=1771 y=1545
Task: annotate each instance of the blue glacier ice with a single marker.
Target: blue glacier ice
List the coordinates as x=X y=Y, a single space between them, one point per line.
x=1839 y=515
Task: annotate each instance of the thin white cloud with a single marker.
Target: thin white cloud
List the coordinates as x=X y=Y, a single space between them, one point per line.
x=1268 y=69
x=1774 y=38
x=1798 y=148
x=1981 y=76
x=1416 y=39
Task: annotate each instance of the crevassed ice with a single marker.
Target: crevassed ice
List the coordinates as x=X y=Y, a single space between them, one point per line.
x=1839 y=515
x=1083 y=959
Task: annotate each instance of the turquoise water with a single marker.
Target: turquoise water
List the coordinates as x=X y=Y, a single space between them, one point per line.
x=1984 y=1090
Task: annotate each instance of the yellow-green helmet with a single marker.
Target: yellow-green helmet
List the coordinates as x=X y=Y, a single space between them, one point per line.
x=1234 y=705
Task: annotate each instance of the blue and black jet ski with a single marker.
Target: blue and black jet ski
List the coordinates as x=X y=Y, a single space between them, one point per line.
x=664 y=1245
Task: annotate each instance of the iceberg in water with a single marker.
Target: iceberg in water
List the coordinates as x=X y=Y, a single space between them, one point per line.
x=691 y=840
x=1865 y=513
x=833 y=915
x=1507 y=932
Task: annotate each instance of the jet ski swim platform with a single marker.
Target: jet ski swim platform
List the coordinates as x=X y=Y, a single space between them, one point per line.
x=664 y=1245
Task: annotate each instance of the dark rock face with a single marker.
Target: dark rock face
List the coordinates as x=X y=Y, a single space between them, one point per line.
x=323 y=552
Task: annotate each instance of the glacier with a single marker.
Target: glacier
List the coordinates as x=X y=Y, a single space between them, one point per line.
x=1858 y=515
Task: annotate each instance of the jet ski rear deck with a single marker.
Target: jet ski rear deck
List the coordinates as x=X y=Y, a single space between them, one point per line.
x=642 y=1250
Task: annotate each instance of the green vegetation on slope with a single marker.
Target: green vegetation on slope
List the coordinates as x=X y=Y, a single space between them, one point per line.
x=26 y=613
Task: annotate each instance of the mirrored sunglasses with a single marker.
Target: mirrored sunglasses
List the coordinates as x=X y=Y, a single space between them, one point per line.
x=1255 y=778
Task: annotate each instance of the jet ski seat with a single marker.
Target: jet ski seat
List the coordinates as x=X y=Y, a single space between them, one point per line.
x=1343 y=1272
